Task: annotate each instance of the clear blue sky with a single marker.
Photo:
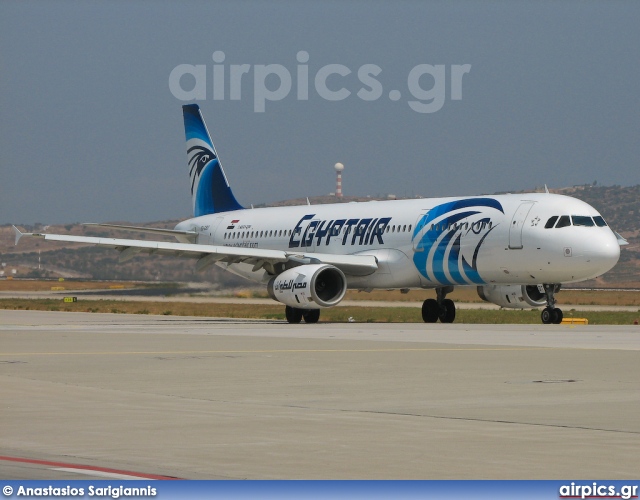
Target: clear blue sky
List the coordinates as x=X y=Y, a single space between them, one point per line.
x=90 y=130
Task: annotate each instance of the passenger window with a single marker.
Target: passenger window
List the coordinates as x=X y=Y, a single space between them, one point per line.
x=551 y=222
x=582 y=220
x=600 y=222
x=564 y=221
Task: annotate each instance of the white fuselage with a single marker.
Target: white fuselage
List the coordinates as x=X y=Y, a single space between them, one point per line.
x=432 y=242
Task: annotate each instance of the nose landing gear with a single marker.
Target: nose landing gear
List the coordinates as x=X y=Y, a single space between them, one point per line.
x=551 y=314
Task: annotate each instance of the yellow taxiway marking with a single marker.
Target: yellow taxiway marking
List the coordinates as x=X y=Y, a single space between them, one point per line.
x=273 y=351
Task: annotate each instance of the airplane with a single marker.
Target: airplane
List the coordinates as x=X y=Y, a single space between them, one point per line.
x=517 y=249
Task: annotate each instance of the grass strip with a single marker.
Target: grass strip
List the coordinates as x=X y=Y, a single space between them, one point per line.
x=336 y=314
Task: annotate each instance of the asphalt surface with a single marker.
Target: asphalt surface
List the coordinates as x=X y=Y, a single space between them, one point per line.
x=105 y=395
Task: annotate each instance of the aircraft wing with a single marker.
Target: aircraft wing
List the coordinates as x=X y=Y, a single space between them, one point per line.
x=358 y=265
x=190 y=235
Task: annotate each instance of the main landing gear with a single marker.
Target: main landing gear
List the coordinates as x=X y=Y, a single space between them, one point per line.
x=551 y=314
x=294 y=315
x=440 y=308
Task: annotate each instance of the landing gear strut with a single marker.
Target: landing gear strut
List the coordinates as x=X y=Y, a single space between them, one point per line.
x=551 y=314
x=295 y=315
x=439 y=309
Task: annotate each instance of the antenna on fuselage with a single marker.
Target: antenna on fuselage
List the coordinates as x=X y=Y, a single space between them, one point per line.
x=546 y=189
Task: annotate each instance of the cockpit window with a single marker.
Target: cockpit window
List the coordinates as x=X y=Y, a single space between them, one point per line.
x=600 y=222
x=582 y=220
x=551 y=222
x=564 y=221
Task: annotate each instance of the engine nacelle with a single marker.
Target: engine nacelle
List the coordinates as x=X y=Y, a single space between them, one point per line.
x=514 y=296
x=312 y=286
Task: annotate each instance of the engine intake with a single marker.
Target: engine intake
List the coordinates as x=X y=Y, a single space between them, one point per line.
x=513 y=296
x=312 y=286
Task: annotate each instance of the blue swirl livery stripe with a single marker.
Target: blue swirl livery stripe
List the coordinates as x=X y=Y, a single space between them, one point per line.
x=441 y=244
x=440 y=257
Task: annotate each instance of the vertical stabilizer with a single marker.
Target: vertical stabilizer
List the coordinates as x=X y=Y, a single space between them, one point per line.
x=210 y=191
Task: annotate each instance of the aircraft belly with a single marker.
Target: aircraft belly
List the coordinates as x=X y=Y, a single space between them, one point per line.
x=395 y=270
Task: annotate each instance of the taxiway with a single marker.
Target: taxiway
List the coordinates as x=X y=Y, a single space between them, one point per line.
x=84 y=395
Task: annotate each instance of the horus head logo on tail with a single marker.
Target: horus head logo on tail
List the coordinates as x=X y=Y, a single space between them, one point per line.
x=198 y=158
x=210 y=190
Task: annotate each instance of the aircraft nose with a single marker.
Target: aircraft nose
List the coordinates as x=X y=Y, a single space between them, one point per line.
x=604 y=252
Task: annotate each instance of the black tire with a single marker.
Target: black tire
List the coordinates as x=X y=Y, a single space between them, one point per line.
x=430 y=310
x=546 y=316
x=556 y=316
x=293 y=315
x=311 y=315
x=447 y=312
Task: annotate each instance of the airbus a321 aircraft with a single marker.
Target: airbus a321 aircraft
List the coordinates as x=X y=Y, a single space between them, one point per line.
x=517 y=249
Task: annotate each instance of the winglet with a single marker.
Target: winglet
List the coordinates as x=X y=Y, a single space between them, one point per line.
x=17 y=233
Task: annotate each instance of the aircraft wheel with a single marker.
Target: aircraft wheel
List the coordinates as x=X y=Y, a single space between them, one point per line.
x=447 y=312
x=547 y=315
x=293 y=315
x=311 y=315
x=430 y=310
x=556 y=316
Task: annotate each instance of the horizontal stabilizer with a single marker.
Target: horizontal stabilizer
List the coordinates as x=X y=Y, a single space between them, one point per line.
x=621 y=241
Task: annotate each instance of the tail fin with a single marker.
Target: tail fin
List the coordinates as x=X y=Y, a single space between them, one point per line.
x=210 y=189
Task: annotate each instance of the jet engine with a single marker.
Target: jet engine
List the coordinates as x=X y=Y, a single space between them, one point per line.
x=312 y=286
x=514 y=296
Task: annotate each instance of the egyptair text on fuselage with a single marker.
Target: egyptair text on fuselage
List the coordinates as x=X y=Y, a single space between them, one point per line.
x=354 y=231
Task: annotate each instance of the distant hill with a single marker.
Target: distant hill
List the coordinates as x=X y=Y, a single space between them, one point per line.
x=620 y=206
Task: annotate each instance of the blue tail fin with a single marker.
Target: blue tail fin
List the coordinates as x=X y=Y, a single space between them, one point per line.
x=210 y=189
